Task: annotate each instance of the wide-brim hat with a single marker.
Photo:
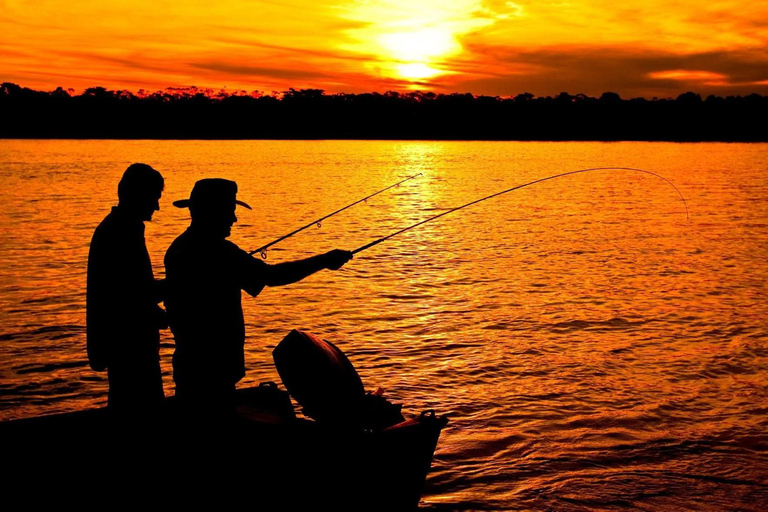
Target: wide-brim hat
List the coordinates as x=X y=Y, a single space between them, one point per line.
x=212 y=193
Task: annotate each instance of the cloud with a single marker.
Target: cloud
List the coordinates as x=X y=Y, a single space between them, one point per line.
x=136 y=61
x=258 y=71
x=593 y=70
x=285 y=49
x=686 y=75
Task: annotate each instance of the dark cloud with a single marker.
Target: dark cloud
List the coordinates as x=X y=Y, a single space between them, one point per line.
x=8 y=51
x=100 y=79
x=507 y=71
x=133 y=62
x=254 y=71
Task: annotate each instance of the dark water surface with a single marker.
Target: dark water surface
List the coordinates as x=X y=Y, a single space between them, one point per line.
x=593 y=348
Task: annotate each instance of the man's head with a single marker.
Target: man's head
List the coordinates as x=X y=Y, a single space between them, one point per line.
x=140 y=189
x=212 y=204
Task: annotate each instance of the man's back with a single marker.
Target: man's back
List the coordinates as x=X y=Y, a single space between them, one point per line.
x=121 y=315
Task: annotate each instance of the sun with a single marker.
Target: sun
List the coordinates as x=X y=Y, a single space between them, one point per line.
x=416 y=71
x=419 y=45
x=417 y=49
x=412 y=41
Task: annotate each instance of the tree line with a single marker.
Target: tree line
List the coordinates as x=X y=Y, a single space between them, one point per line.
x=191 y=113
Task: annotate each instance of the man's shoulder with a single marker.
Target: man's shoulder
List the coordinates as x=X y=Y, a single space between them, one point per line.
x=117 y=243
x=188 y=243
x=116 y=225
x=108 y=232
x=181 y=245
x=232 y=253
x=232 y=247
x=105 y=226
x=238 y=252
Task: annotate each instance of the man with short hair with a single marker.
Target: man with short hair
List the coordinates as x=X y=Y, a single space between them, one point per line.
x=122 y=315
x=205 y=274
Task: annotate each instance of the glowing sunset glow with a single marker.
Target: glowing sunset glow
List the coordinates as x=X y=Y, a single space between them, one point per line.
x=416 y=71
x=412 y=41
x=681 y=74
x=496 y=47
x=420 y=45
x=417 y=49
x=706 y=77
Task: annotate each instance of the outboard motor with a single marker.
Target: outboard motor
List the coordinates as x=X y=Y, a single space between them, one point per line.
x=324 y=382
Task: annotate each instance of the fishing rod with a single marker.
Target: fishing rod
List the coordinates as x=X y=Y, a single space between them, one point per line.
x=382 y=239
x=263 y=249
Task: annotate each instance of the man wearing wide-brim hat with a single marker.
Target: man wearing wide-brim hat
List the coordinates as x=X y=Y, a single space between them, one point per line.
x=205 y=273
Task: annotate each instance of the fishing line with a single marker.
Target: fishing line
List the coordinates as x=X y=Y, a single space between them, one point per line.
x=263 y=249
x=376 y=242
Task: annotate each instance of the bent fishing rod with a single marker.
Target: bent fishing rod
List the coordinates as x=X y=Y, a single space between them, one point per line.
x=263 y=249
x=382 y=239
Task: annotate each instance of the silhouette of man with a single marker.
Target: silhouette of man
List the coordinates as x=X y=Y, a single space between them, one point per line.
x=205 y=275
x=122 y=315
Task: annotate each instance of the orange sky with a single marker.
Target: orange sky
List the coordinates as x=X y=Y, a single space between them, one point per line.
x=635 y=48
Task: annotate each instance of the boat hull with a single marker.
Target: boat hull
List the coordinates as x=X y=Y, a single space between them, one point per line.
x=262 y=456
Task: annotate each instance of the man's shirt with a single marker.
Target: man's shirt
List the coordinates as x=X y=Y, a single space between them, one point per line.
x=122 y=316
x=204 y=276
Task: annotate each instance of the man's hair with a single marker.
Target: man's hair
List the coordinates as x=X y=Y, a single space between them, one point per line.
x=139 y=180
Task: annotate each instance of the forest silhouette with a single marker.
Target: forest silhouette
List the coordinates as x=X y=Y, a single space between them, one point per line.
x=192 y=113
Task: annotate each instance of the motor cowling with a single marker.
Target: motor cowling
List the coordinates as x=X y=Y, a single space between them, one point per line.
x=325 y=383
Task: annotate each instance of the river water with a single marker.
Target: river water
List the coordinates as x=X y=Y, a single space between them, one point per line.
x=593 y=347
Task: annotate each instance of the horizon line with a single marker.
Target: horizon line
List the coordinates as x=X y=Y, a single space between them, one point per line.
x=213 y=93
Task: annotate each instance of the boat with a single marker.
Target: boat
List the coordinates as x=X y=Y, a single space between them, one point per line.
x=263 y=455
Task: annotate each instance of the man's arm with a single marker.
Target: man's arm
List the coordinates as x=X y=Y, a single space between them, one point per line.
x=293 y=271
